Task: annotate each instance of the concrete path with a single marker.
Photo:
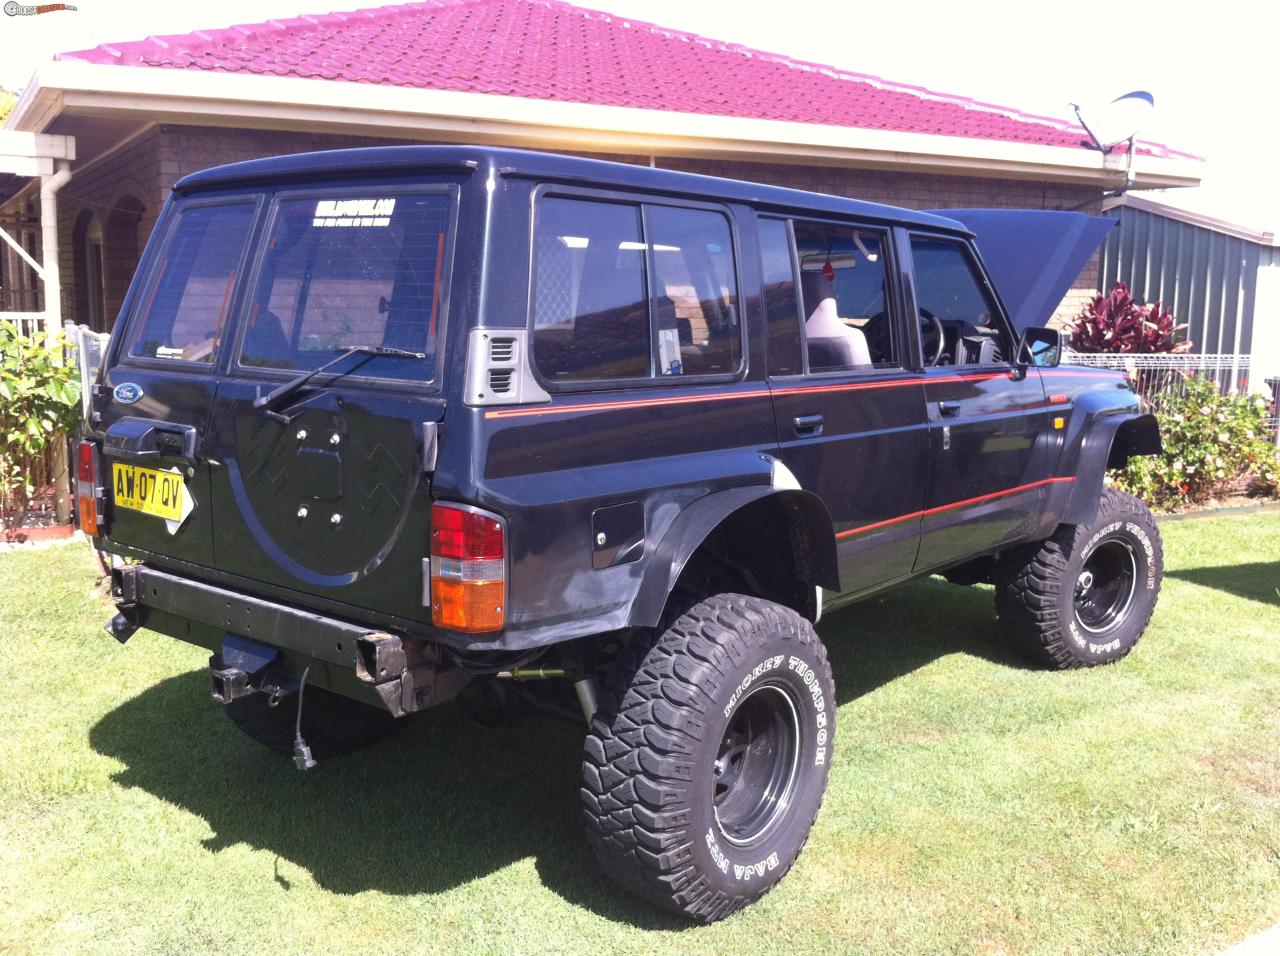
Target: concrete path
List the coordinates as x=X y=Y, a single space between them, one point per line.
x=1266 y=943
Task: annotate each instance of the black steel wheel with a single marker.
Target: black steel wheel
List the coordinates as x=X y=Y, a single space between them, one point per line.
x=1106 y=584
x=756 y=767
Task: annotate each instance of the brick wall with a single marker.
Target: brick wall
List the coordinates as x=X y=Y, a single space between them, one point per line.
x=925 y=191
x=131 y=184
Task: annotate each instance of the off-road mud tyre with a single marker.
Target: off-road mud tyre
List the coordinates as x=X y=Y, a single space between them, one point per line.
x=1042 y=600
x=736 y=683
x=331 y=723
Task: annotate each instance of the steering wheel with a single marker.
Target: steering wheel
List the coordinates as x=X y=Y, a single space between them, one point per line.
x=928 y=319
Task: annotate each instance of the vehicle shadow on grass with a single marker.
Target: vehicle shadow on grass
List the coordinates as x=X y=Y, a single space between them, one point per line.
x=443 y=803
x=881 y=639
x=447 y=801
x=1258 y=581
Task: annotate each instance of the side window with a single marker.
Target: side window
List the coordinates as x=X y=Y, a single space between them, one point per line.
x=845 y=297
x=624 y=291
x=184 y=304
x=590 y=304
x=954 y=304
x=695 y=304
x=780 y=301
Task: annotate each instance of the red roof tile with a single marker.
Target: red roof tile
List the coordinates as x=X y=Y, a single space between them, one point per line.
x=551 y=50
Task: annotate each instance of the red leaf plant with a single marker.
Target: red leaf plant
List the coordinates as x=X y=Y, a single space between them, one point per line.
x=1115 y=323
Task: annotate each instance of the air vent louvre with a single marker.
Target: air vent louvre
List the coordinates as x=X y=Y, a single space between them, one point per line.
x=500 y=380
x=502 y=350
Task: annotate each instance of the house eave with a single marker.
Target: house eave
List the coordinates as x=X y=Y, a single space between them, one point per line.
x=236 y=99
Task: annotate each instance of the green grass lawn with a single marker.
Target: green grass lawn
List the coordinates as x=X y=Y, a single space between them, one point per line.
x=975 y=805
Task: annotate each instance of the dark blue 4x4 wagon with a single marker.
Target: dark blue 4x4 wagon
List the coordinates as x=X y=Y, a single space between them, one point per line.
x=385 y=427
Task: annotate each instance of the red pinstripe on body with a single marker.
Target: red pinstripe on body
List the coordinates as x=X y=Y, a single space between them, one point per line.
x=627 y=403
x=727 y=396
x=955 y=504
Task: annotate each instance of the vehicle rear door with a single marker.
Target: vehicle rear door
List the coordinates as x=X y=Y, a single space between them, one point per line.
x=326 y=490
x=850 y=418
x=989 y=447
x=160 y=380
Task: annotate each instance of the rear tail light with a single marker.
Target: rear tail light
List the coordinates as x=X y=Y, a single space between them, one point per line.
x=89 y=491
x=468 y=569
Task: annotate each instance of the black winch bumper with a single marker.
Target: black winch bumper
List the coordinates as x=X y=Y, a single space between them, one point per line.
x=259 y=645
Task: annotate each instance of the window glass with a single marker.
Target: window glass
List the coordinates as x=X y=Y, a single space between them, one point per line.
x=780 y=303
x=844 y=294
x=695 y=307
x=184 y=305
x=949 y=289
x=593 y=316
x=341 y=271
x=590 y=306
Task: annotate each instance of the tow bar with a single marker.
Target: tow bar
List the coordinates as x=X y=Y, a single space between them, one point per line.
x=243 y=668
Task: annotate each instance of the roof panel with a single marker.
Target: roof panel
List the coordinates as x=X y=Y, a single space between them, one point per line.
x=403 y=160
x=551 y=50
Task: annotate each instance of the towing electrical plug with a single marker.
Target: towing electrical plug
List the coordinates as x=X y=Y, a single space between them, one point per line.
x=302 y=758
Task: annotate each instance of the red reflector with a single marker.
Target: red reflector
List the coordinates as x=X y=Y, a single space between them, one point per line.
x=84 y=461
x=465 y=535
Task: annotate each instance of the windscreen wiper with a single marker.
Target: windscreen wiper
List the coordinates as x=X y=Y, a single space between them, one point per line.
x=266 y=403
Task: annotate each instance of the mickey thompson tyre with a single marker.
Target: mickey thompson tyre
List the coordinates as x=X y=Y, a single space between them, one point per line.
x=332 y=724
x=707 y=761
x=1084 y=596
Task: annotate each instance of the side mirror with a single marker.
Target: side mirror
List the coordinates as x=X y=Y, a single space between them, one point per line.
x=1040 y=347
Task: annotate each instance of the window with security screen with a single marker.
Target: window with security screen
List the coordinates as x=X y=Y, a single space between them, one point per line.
x=633 y=291
x=339 y=272
x=183 y=306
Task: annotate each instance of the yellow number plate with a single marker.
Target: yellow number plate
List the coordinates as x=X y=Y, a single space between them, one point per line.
x=152 y=492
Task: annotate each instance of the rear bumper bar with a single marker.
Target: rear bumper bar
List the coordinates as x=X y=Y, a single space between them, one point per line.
x=405 y=675
x=138 y=589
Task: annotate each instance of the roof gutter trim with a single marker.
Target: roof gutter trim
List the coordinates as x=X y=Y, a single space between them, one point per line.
x=292 y=102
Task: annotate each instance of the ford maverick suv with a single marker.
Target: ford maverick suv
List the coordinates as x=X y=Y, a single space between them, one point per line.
x=381 y=428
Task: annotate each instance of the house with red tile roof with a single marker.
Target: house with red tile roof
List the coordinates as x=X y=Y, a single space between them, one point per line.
x=544 y=74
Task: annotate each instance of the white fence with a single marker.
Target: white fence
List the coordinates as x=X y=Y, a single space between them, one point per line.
x=28 y=323
x=1157 y=377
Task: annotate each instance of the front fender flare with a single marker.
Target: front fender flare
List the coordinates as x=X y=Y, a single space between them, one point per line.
x=1109 y=442
x=692 y=526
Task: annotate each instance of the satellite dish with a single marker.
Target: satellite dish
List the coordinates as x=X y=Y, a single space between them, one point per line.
x=1117 y=122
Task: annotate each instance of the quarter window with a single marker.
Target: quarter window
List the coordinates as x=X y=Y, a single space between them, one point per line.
x=624 y=291
x=781 y=306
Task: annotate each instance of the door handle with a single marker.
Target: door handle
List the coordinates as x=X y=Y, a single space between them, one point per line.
x=949 y=408
x=144 y=439
x=808 y=424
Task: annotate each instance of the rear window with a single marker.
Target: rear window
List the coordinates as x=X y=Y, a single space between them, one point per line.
x=344 y=271
x=629 y=291
x=183 y=307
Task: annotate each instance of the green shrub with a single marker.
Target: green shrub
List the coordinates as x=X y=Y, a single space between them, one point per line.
x=1215 y=445
x=39 y=403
